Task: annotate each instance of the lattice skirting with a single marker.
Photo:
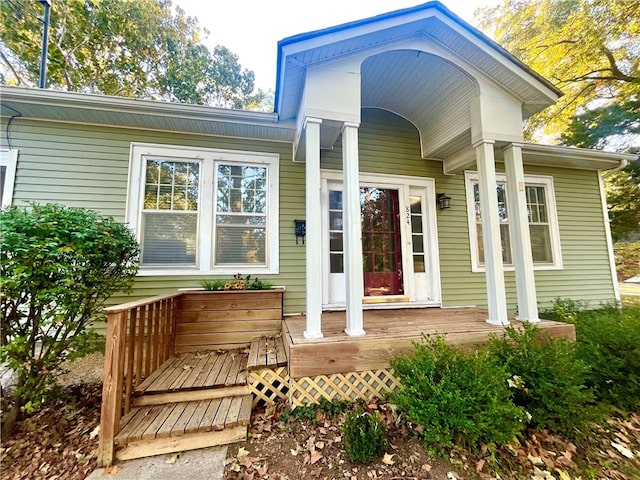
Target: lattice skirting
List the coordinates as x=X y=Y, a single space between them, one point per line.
x=268 y=385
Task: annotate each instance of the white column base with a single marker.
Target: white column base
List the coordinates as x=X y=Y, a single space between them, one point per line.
x=355 y=333
x=528 y=320
x=308 y=334
x=499 y=323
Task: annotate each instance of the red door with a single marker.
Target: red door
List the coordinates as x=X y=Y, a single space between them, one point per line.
x=381 y=247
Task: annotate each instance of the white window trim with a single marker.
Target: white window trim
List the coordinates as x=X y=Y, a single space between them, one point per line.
x=208 y=158
x=9 y=159
x=552 y=215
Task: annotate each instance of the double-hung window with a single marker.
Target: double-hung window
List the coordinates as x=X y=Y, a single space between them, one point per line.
x=204 y=211
x=543 y=222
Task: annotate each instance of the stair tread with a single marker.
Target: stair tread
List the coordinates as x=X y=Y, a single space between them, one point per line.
x=184 y=418
x=197 y=371
x=266 y=352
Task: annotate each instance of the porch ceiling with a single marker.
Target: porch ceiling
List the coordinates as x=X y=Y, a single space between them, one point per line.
x=426 y=90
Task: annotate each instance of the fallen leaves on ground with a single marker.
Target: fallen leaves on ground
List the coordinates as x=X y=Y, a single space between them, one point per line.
x=59 y=442
x=313 y=449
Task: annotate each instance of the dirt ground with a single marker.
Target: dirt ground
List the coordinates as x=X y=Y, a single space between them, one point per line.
x=60 y=442
x=281 y=448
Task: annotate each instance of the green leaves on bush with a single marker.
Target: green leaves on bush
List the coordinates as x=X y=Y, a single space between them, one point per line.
x=57 y=266
x=553 y=379
x=365 y=437
x=456 y=398
x=609 y=342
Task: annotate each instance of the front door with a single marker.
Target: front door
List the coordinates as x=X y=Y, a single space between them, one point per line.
x=399 y=244
x=381 y=241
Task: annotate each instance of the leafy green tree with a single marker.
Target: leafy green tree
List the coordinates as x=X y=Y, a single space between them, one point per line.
x=142 y=49
x=587 y=48
x=615 y=126
x=57 y=266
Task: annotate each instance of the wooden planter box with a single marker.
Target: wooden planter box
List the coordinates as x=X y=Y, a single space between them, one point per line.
x=226 y=319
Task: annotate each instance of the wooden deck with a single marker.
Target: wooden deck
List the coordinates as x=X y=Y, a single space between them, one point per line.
x=389 y=332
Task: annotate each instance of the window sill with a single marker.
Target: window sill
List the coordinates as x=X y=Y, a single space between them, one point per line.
x=227 y=271
x=511 y=268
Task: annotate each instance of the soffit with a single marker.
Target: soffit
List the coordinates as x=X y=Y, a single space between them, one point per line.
x=142 y=114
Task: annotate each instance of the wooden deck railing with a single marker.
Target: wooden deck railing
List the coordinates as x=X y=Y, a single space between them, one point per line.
x=140 y=337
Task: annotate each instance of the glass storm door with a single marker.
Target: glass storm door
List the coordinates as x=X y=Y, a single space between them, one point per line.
x=381 y=244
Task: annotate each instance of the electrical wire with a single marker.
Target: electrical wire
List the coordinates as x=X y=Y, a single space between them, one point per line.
x=17 y=114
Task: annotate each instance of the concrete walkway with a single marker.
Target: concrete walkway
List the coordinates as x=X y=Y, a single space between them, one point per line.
x=202 y=464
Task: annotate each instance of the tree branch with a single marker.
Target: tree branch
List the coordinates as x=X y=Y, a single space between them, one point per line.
x=6 y=61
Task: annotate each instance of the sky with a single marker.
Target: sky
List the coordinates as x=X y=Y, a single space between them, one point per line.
x=251 y=28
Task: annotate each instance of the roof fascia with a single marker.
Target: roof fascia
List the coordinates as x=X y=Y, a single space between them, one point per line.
x=586 y=154
x=64 y=99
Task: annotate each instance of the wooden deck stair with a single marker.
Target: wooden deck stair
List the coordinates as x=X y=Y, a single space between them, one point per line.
x=194 y=400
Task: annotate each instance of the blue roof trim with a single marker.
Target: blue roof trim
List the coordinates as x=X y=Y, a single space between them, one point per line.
x=398 y=13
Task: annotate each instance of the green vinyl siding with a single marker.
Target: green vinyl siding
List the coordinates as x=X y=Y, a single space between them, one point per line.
x=87 y=166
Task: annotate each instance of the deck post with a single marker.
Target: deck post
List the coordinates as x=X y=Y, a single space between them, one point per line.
x=496 y=296
x=352 y=230
x=111 y=411
x=520 y=235
x=314 y=229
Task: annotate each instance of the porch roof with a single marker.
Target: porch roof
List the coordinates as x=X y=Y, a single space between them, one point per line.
x=431 y=21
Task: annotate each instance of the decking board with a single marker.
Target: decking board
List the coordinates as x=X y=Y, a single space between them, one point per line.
x=198 y=371
x=266 y=352
x=180 y=419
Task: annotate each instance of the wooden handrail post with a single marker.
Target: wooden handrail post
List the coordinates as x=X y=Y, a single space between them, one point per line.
x=111 y=411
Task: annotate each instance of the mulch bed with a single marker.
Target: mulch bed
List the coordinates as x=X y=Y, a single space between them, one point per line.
x=59 y=442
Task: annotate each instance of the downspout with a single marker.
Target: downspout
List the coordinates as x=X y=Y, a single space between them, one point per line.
x=623 y=165
x=607 y=227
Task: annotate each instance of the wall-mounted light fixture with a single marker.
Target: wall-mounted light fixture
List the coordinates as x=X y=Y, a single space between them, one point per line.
x=301 y=230
x=443 y=201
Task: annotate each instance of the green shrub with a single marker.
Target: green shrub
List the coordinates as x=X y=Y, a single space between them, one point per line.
x=564 y=310
x=365 y=437
x=548 y=379
x=456 y=398
x=309 y=412
x=609 y=341
x=57 y=266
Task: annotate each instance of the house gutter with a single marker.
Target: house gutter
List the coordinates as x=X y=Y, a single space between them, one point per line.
x=130 y=105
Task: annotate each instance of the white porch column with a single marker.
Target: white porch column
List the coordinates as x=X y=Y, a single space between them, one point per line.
x=520 y=236
x=352 y=230
x=314 y=229
x=496 y=295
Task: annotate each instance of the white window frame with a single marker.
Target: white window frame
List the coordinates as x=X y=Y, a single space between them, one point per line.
x=552 y=215
x=208 y=159
x=9 y=160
